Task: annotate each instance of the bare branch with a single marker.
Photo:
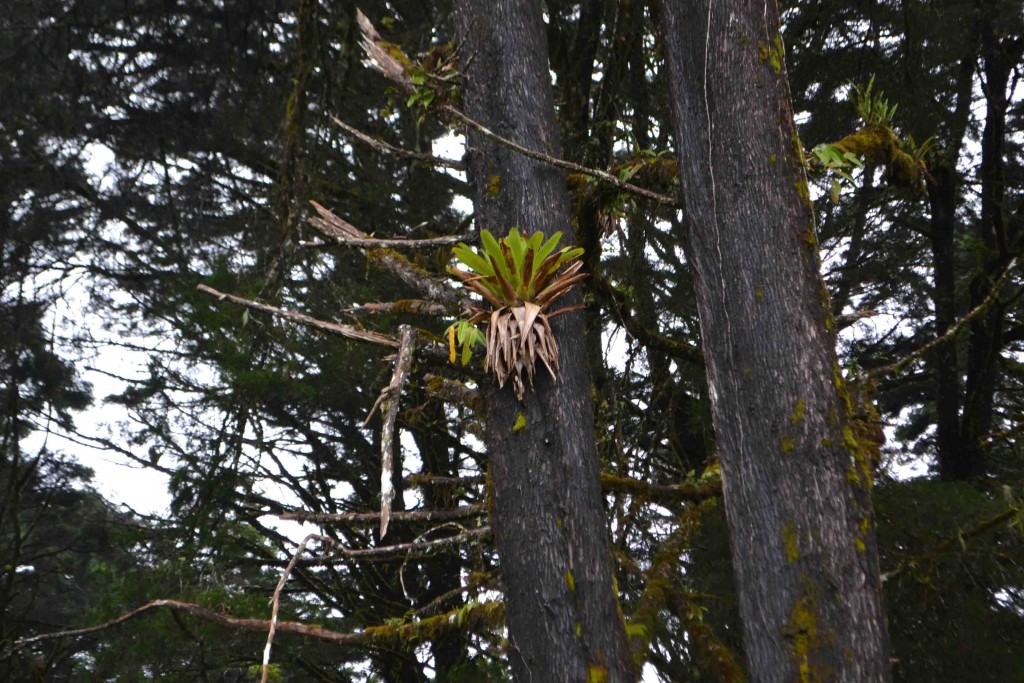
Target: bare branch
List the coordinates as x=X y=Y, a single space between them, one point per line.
x=603 y=176
x=661 y=493
x=276 y=601
x=338 y=229
x=372 y=517
x=391 y=552
x=415 y=306
x=386 y=148
x=476 y=615
x=202 y=613
x=303 y=319
x=346 y=239
x=951 y=333
x=390 y=396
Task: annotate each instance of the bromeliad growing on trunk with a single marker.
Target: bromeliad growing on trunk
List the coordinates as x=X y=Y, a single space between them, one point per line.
x=519 y=278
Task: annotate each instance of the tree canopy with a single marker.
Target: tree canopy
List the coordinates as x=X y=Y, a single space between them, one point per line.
x=151 y=150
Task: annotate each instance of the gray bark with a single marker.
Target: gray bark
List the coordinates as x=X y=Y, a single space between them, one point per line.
x=796 y=476
x=547 y=511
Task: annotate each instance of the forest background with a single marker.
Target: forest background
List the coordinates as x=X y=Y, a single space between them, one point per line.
x=176 y=144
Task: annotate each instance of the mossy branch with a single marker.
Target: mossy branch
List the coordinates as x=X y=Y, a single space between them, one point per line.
x=660 y=493
x=950 y=334
x=960 y=539
x=471 y=617
x=363 y=518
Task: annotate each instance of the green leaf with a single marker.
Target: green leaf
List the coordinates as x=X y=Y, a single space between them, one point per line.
x=517 y=245
x=549 y=246
x=474 y=261
x=497 y=257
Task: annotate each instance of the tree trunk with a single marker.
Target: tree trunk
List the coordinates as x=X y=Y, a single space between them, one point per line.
x=984 y=355
x=795 y=467
x=546 y=506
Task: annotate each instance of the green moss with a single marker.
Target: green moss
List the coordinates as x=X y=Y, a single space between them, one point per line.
x=494 y=186
x=798 y=154
x=803 y=635
x=597 y=674
x=802 y=191
x=774 y=55
x=862 y=532
x=789 y=543
x=473 y=616
x=772 y=160
x=520 y=424
x=758 y=294
x=570 y=581
x=787 y=444
x=798 y=412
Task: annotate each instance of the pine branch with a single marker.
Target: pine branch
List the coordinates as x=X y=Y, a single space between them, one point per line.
x=960 y=539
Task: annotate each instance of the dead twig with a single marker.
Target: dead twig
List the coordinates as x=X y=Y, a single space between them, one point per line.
x=276 y=600
x=303 y=319
x=338 y=229
x=389 y=397
x=385 y=148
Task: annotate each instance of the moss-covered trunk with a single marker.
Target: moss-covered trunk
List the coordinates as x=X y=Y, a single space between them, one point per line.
x=547 y=511
x=796 y=471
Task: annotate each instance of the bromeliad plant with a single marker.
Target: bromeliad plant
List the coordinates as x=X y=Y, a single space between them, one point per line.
x=519 y=278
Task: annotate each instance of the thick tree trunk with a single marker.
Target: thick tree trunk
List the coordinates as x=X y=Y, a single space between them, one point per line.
x=796 y=475
x=547 y=511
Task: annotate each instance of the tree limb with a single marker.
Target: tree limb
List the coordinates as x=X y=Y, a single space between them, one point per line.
x=371 y=517
x=338 y=229
x=303 y=319
x=390 y=395
x=474 y=615
x=385 y=148
x=951 y=333
x=276 y=601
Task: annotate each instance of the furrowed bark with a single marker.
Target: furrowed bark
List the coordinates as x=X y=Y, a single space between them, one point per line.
x=547 y=511
x=796 y=475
